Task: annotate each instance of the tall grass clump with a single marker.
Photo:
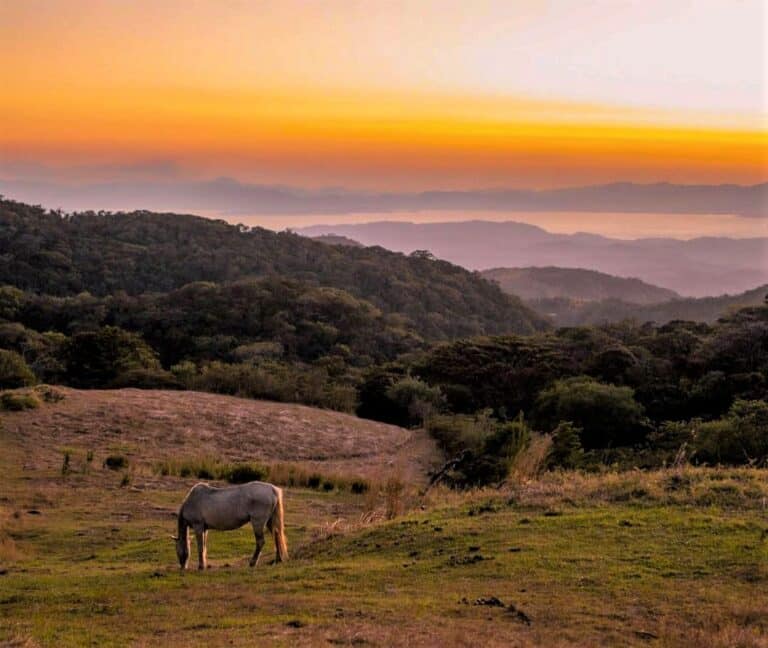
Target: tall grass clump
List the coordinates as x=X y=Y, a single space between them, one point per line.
x=18 y=401
x=280 y=474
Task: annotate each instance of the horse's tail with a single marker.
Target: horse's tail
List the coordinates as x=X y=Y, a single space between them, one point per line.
x=277 y=524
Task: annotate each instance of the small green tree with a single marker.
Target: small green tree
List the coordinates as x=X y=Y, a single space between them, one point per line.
x=566 y=450
x=14 y=372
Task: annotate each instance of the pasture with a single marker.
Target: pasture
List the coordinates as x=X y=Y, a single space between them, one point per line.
x=669 y=558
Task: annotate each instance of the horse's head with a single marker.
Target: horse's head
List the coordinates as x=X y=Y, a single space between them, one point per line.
x=182 y=550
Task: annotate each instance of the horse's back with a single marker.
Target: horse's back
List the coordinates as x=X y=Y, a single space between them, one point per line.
x=229 y=507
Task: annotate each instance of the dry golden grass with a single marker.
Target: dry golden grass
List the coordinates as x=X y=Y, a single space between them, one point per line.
x=154 y=426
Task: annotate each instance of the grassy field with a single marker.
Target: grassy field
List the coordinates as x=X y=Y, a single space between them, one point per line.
x=674 y=558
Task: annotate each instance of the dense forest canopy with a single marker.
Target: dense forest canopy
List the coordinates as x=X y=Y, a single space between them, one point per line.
x=565 y=311
x=139 y=252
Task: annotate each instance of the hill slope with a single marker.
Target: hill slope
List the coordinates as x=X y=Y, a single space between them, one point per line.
x=155 y=425
x=140 y=252
x=698 y=267
x=575 y=283
x=568 y=312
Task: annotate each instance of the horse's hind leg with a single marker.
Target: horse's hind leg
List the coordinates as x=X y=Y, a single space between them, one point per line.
x=258 y=532
x=201 y=535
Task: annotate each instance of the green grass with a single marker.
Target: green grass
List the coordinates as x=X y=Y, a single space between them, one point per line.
x=614 y=560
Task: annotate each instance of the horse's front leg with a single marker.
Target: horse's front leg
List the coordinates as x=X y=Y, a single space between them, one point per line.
x=258 y=532
x=200 y=538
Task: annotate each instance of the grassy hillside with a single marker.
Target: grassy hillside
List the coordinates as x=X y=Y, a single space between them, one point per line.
x=140 y=252
x=564 y=311
x=670 y=558
x=575 y=283
x=150 y=426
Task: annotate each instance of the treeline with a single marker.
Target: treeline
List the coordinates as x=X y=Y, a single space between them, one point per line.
x=565 y=311
x=629 y=394
x=51 y=253
x=270 y=338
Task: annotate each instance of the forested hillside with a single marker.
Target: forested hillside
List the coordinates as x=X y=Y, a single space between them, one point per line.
x=565 y=311
x=139 y=252
x=575 y=283
x=635 y=395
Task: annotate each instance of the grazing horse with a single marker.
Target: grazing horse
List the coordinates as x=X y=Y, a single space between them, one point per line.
x=225 y=509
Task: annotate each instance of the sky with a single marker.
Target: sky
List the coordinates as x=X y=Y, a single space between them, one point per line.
x=382 y=95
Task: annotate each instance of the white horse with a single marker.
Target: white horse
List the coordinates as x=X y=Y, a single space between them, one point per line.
x=225 y=509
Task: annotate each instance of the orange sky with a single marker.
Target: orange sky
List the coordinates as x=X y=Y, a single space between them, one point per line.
x=384 y=95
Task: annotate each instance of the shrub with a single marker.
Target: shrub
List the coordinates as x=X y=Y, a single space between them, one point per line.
x=144 y=378
x=485 y=449
x=96 y=358
x=459 y=432
x=16 y=402
x=314 y=481
x=415 y=399
x=566 y=450
x=607 y=415
x=116 y=462
x=49 y=394
x=738 y=438
x=242 y=473
x=66 y=463
x=359 y=487
x=14 y=372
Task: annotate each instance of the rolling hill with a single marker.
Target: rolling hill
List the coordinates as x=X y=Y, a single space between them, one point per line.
x=564 y=311
x=155 y=425
x=575 y=283
x=698 y=267
x=142 y=252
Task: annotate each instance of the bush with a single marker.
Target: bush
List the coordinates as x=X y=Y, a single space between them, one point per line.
x=459 y=432
x=741 y=437
x=415 y=399
x=116 y=462
x=14 y=372
x=96 y=358
x=484 y=448
x=16 y=402
x=566 y=450
x=143 y=378
x=359 y=487
x=607 y=415
x=243 y=473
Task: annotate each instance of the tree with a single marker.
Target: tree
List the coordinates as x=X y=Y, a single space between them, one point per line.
x=566 y=450
x=97 y=358
x=608 y=415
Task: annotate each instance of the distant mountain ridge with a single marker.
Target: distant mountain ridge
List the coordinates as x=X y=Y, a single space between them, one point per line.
x=698 y=267
x=229 y=196
x=577 y=284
